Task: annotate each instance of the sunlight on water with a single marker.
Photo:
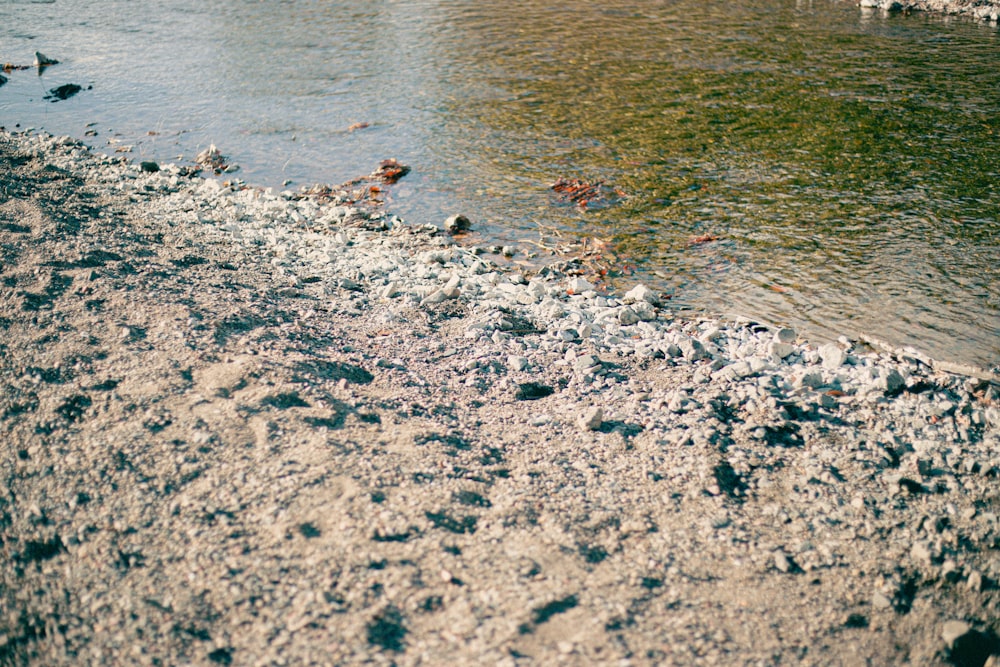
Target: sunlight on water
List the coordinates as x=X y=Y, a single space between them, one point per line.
x=845 y=160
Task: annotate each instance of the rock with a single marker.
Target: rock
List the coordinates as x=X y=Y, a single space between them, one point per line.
x=778 y=350
x=591 y=419
x=711 y=335
x=41 y=60
x=782 y=562
x=149 y=167
x=578 y=286
x=785 y=335
x=517 y=363
x=457 y=224
x=586 y=363
x=627 y=316
x=880 y=601
x=692 y=349
x=641 y=293
x=63 y=92
x=894 y=382
x=540 y=420
x=451 y=287
x=812 y=380
x=832 y=355
x=920 y=552
x=437 y=296
x=734 y=371
x=952 y=631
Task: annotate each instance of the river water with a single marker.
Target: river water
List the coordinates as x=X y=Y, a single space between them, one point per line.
x=845 y=160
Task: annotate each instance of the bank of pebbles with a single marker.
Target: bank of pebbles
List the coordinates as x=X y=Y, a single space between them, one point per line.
x=476 y=465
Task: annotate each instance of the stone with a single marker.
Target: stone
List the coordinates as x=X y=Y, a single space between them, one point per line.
x=812 y=380
x=149 y=167
x=389 y=291
x=692 y=349
x=779 y=350
x=954 y=630
x=457 y=224
x=832 y=355
x=641 y=293
x=920 y=552
x=591 y=418
x=894 y=382
x=644 y=310
x=578 y=286
x=785 y=335
x=517 y=363
x=711 y=335
x=41 y=60
x=734 y=371
x=782 y=562
x=880 y=601
x=627 y=316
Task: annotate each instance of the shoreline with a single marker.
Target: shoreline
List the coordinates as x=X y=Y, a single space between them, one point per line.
x=246 y=428
x=985 y=11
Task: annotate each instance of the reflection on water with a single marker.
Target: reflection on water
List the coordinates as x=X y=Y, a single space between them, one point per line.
x=845 y=160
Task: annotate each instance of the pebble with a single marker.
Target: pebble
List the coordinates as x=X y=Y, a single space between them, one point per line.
x=954 y=630
x=456 y=224
x=779 y=350
x=785 y=335
x=591 y=418
x=641 y=294
x=782 y=562
x=832 y=355
x=517 y=363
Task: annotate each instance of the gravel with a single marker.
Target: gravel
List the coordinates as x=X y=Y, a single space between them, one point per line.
x=247 y=427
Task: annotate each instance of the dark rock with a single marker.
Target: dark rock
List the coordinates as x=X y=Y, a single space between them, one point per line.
x=457 y=224
x=63 y=92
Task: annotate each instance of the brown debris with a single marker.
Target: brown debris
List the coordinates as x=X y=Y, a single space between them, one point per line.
x=586 y=194
x=390 y=171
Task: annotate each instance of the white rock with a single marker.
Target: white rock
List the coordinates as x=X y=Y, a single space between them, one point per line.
x=810 y=380
x=952 y=631
x=781 y=561
x=641 y=293
x=780 y=350
x=578 y=286
x=785 y=335
x=832 y=355
x=517 y=363
x=591 y=418
x=627 y=316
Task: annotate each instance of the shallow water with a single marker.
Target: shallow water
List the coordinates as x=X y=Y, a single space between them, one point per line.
x=845 y=160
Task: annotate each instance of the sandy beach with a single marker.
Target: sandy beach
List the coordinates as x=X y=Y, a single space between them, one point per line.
x=254 y=428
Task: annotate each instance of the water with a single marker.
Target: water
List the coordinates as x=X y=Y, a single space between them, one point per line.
x=845 y=160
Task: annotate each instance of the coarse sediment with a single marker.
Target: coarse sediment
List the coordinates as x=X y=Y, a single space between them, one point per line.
x=251 y=428
x=980 y=10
